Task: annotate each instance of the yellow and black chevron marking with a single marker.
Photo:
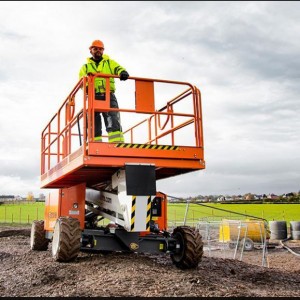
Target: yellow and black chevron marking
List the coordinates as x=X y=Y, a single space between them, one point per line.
x=133 y=212
x=148 y=213
x=147 y=146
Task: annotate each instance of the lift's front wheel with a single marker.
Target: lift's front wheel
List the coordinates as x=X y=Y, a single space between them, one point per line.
x=189 y=247
x=66 y=239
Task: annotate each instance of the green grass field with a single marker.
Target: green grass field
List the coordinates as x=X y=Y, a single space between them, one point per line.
x=217 y=211
x=26 y=212
x=23 y=213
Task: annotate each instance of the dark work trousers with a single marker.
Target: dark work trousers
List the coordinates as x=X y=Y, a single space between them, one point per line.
x=111 y=119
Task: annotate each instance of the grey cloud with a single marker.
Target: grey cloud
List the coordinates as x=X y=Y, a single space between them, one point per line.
x=11 y=35
x=27 y=168
x=243 y=56
x=247 y=41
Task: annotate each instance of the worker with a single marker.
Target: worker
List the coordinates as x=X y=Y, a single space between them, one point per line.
x=101 y=63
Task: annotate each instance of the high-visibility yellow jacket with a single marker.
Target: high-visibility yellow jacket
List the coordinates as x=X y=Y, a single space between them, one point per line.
x=106 y=66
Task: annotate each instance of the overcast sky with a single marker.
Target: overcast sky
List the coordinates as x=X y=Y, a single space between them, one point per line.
x=243 y=56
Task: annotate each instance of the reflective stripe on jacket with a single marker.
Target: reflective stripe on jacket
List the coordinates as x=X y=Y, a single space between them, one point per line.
x=106 y=66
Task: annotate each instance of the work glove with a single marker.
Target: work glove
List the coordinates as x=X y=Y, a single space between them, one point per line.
x=124 y=75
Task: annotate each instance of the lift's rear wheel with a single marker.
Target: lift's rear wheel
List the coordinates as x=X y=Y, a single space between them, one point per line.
x=66 y=239
x=38 y=239
x=189 y=247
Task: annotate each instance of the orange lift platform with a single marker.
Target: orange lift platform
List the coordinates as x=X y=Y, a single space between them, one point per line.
x=162 y=126
x=91 y=180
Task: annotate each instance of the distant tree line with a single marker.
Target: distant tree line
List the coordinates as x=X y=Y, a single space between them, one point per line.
x=29 y=197
x=247 y=198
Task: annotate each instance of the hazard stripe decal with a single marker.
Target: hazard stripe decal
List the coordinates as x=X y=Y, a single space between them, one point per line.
x=147 y=146
x=148 y=213
x=133 y=212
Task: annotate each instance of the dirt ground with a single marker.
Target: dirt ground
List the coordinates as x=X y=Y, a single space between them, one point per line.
x=27 y=273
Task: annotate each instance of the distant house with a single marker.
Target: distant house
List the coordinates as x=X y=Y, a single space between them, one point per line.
x=221 y=199
x=237 y=197
x=273 y=196
x=7 y=197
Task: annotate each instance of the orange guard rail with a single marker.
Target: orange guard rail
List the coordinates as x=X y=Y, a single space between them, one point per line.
x=162 y=125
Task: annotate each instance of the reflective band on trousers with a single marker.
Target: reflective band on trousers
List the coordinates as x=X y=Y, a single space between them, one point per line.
x=98 y=138
x=115 y=136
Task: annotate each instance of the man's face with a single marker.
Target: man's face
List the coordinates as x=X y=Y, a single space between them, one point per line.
x=97 y=52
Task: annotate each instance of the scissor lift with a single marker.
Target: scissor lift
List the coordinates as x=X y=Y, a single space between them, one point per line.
x=91 y=181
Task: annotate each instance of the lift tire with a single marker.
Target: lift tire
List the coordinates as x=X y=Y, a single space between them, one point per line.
x=66 y=239
x=191 y=247
x=38 y=240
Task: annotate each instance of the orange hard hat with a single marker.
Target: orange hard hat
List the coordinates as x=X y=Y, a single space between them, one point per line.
x=97 y=43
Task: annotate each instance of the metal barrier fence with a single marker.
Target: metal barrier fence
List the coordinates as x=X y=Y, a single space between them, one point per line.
x=244 y=240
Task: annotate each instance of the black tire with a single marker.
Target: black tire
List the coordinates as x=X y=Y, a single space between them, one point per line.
x=191 y=247
x=38 y=239
x=248 y=244
x=66 y=239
